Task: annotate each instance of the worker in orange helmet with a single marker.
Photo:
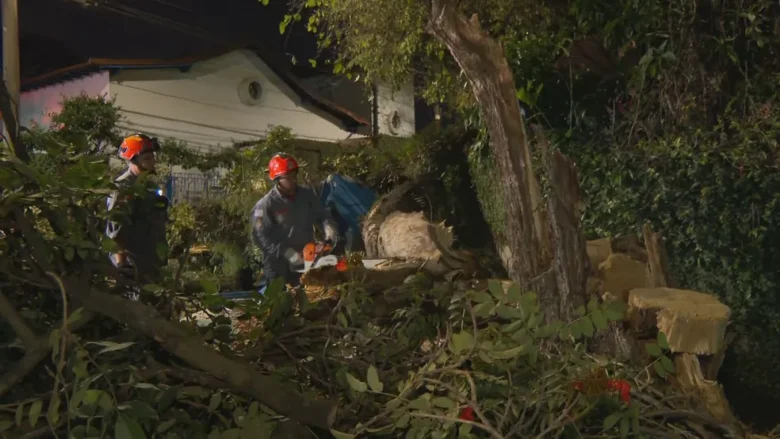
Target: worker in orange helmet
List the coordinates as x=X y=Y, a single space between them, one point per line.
x=141 y=235
x=283 y=221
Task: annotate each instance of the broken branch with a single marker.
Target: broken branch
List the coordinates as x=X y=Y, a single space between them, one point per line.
x=16 y=321
x=239 y=375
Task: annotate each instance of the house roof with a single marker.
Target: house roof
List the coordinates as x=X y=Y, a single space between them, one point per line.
x=351 y=121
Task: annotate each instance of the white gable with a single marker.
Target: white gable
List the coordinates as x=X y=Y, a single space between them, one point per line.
x=211 y=104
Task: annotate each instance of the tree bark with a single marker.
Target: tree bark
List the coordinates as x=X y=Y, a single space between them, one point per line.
x=571 y=256
x=483 y=62
x=659 y=273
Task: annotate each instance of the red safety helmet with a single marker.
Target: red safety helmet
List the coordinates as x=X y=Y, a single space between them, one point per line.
x=137 y=144
x=281 y=164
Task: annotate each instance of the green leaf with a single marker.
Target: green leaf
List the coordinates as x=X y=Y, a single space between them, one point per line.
x=593 y=304
x=496 y=289
x=481 y=297
x=659 y=369
x=356 y=384
x=35 y=412
x=564 y=333
x=513 y=293
x=587 y=327
x=215 y=401
x=612 y=420
x=341 y=435
x=615 y=310
x=663 y=343
x=313 y=63
x=580 y=311
x=599 y=320
x=208 y=285
x=464 y=431
x=403 y=421
x=19 y=414
x=529 y=303
x=151 y=288
x=110 y=346
x=508 y=313
x=264 y=2
x=653 y=349
x=233 y=433
x=372 y=377
x=128 y=428
x=534 y=320
x=138 y=410
x=165 y=425
x=625 y=425
x=462 y=341
x=668 y=364
x=75 y=316
x=70 y=253
x=510 y=353
x=484 y=309
x=512 y=327
x=421 y=403
x=443 y=402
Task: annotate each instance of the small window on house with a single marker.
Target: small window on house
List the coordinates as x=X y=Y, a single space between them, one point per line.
x=394 y=122
x=255 y=90
x=250 y=91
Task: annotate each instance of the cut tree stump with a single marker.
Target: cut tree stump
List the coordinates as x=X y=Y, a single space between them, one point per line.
x=693 y=322
x=598 y=251
x=622 y=274
x=658 y=271
x=709 y=394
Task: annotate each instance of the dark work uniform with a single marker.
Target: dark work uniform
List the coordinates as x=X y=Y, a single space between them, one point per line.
x=142 y=234
x=281 y=225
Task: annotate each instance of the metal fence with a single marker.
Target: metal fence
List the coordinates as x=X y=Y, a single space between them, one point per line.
x=192 y=187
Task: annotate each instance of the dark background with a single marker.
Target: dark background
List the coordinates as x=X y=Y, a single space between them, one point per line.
x=58 y=33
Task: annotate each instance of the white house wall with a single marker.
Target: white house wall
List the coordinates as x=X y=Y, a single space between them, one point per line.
x=400 y=102
x=37 y=106
x=202 y=106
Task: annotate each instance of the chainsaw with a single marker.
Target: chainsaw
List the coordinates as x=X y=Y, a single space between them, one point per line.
x=316 y=255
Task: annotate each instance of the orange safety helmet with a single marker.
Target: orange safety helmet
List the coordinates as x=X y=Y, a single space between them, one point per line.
x=137 y=144
x=281 y=164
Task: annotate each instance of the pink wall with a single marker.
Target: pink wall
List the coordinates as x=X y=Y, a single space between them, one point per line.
x=37 y=106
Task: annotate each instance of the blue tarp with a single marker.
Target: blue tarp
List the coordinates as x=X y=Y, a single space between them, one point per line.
x=350 y=198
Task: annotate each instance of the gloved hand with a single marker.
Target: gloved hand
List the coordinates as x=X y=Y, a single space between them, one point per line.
x=331 y=236
x=294 y=257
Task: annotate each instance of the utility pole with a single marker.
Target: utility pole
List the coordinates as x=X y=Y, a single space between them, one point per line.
x=10 y=11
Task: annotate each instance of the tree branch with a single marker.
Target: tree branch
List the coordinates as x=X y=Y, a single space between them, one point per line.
x=35 y=353
x=239 y=375
x=23 y=331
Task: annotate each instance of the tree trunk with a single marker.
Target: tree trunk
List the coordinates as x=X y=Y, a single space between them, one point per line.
x=572 y=264
x=483 y=62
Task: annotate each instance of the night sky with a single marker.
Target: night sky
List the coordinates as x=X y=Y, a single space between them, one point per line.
x=57 y=33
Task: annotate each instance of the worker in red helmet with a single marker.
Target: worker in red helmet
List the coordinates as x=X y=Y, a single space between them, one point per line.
x=283 y=221
x=138 y=228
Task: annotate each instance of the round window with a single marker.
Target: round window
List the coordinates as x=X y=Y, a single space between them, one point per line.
x=395 y=121
x=255 y=90
x=250 y=91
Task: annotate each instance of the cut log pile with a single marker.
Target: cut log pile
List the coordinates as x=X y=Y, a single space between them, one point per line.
x=694 y=323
